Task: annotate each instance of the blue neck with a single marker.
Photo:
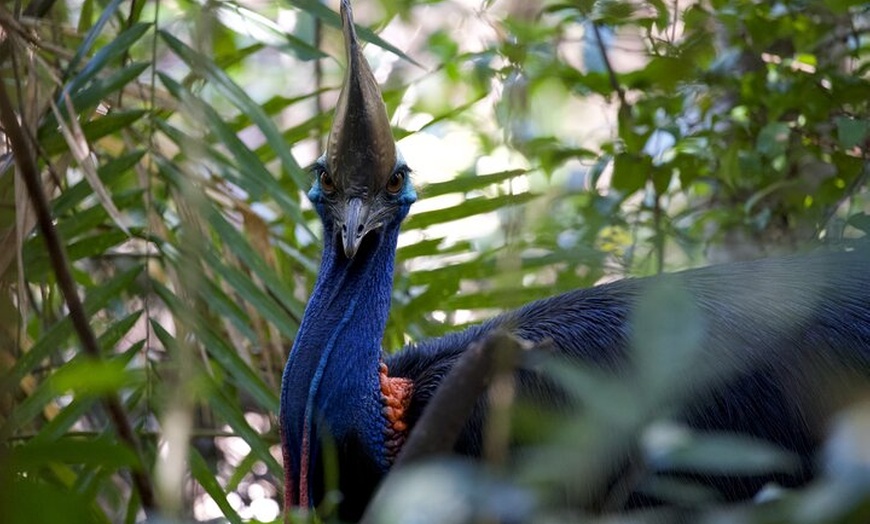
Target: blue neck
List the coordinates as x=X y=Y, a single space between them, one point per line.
x=331 y=382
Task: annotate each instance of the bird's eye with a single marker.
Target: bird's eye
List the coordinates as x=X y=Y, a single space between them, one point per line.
x=326 y=182
x=396 y=182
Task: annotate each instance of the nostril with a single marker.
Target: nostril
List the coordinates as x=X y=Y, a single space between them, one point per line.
x=344 y=228
x=359 y=229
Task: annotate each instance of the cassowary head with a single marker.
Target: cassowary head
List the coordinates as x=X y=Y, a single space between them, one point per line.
x=362 y=182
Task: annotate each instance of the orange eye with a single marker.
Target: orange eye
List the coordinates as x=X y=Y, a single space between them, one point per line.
x=396 y=182
x=326 y=182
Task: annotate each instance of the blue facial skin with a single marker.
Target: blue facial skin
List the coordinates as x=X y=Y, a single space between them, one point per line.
x=333 y=367
x=401 y=200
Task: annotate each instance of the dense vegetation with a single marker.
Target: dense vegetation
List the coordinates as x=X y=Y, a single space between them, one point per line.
x=557 y=144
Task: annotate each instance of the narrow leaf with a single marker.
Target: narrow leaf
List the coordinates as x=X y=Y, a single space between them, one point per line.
x=100 y=89
x=91 y=37
x=115 y=49
x=209 y=483
x=227 y=409
x=466 y=183
x=109 y=172
x=250 y=167
x=31 y=406
x=78 y=146
x=99 y=452
x=240 y=99
x=220 y=349
x=53 y=339
x=53 y=142
x=332 y=19
x=468 y=208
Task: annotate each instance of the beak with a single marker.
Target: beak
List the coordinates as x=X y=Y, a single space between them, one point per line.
x=353 y=230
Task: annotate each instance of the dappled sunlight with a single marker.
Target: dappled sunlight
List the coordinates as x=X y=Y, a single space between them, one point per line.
x=158 y=248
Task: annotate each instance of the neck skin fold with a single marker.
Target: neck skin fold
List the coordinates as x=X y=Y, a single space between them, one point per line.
x=331 y=382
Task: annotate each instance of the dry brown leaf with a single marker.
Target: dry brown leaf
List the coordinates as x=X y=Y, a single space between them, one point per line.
x=78 y=146
x=257 y=232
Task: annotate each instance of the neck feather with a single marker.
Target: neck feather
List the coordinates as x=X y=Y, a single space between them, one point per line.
x=331 y=382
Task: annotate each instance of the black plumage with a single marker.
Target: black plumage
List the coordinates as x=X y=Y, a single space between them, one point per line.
x=773 y=327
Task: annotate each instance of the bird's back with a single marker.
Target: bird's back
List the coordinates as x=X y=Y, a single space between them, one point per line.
x=771 y=335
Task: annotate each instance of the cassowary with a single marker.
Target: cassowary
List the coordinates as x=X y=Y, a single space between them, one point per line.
x=774 y=321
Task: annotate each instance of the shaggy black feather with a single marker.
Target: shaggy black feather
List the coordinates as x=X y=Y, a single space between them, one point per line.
x=778 y=324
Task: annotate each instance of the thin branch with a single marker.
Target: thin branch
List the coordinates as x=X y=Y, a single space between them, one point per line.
x=441 y=422
x=436 y=431
x=624 y=112
x=614 y=82
x=26 y=164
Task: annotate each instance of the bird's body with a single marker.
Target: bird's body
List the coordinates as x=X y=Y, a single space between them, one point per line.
x=346 y=407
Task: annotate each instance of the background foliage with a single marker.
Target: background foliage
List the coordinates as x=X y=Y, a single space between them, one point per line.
x=558 y=144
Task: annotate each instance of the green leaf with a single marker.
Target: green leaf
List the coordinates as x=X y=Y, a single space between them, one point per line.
x=31 y=406
x=250 y=23
x=209 y=483
x=91 y=37
x=100 y=451
x=53 y=142
x=773 y=139
x=227 y=409
x=61 y=424
x=227 y=308
x=38 y=263
x=86 y=16
x=240 y=246
x=469 y=208
x=89 y=220
x=253 y=173
x=219 y=348
x=723 y=454
x=100 y=89
x=502 y=298
x=25 y=502
x=860 y=221
x=486 y=266
x=333 y=19
x=92 y=377
x=422 y=248
x=469 y=182
x=241 y=100
x=683 y=493
x=843 y=6
x=852 y=132
x=53 y=339
x=630 y=172
x=118 y=47
x=109 y=173
x=248 y=290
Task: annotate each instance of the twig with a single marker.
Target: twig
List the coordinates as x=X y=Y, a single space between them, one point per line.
x=614 y=82
x=37 y=9
x=436 y=431
x=624 y=112
x=24 y=159
x=441 y=422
